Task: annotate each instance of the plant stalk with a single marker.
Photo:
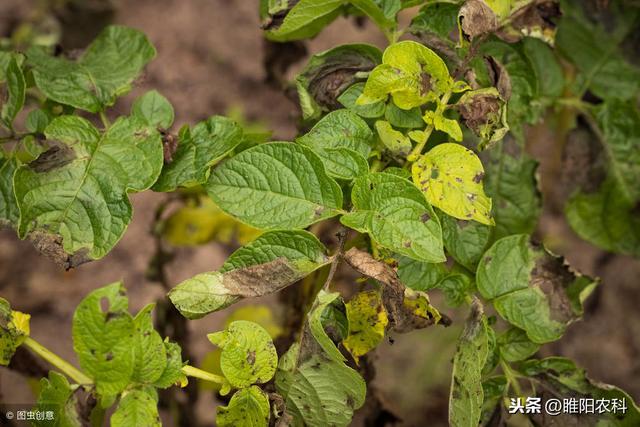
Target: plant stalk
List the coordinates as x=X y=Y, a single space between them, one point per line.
x=192 y=371
x=65 y=367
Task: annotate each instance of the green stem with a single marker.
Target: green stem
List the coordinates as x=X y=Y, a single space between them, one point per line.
x=417 y=150
x=192 y=371
x=105 y=120
x=68 y=369
x=376 y=166
x=512 y=377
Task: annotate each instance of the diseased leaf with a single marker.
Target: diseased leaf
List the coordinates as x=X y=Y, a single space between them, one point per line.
x=531 y=288
x=512 y=185
x=104 y=338
x=465 y=241
x=395 y=141
x=248 y=354
x=515 y=346
x=397 y=216
x=411 y=73
x=275 y=185
x=57 y=395
x=561 y=377
x=367 y=323
x=348 y=99
x=155 y=109
x=14 y=327
x=343 y=142
x=16 y=88
x=105 y=70
x=9 y=212
x=450 y=176
x=441 y=123
x=263 y=315
x=172 y=373
x=77 y=190
x=270 y=263
x=465 y=401
x=326 y=77
x=318 y=391
x=248 y=407
x=151 y=356
x=493 y=388
x=136 y=408
x=485 y=113
x=304 y=20
x=199 y=149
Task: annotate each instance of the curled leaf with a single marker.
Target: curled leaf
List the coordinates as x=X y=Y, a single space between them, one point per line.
x=476 y=18
x=485 y=113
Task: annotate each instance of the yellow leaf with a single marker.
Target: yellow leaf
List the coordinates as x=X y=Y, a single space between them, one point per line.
x=420 y=305
x=367 y=322
x=450 y=176
x=20 y=322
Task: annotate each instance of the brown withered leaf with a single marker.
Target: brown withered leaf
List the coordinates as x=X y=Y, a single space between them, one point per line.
x=476 y=18
x=51 y=246
x=500 y=78
x=402 y=304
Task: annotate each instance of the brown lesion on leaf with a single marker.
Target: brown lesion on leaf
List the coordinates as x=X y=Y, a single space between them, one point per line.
x=274 y=21
x=553 y=277
x=476 y=18
x=170 y=144
x=499 y=76
x=50 y=245
x=479 y=111
x=426 y=84
x=261 y=279
x=57 y=156
x=583 y=163
x=477 y=178
x=401 y=316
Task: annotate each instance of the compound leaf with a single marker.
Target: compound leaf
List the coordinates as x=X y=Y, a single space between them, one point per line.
x=248 y=354
x=105 y=71
x=199 y=149
x=531 y=288
x=77 y=189
x=248 y=407
x=275 y=185
x=397 y=216
x=136 y=408
x=104 y=338
x=450 y=176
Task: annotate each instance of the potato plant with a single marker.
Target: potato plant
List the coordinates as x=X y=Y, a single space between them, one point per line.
x=410 y=171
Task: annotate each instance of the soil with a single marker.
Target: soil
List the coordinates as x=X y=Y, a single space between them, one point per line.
x=210 y=55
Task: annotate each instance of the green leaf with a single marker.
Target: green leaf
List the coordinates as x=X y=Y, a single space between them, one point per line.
x=275 y=259
x=105 y=71
x=397 y=216
x=450 y=176
x=172 y=373
x=248 y=354
x=327 y=75
x=77 y=189
x=151 y=355
x=367 y=323
x=418 y=275
x=199 y=149
x=465 y=241
x=493 y=389
x=248 y=407
x=9 y=212
x=400 y=118
x=136 y=408
x=276 y=185
x=155 y=109
x=377 y=15
x=57 y=395
x=437 y=19
x=532 y=289
x=411 y=73
x=318 y=391
x=104 y=338
x=14 y=327
x=597 y=52
x=323 y=303
x=515 y=346
x=546 y=65
x=348 y=100
x=465 y=401
x=343 y=142
x=306 y=19
x=512 y=185
x=16 y=88
x=395 y=141
x=561 y=377
x=37 y=121
x=457 y=286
